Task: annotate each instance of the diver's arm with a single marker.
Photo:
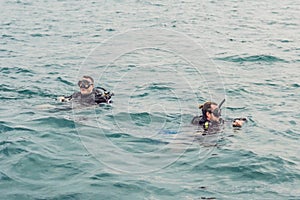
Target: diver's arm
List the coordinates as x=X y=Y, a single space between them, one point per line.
x=64 y=98
x=75 y=95
x=235 y=122
x=68 y=98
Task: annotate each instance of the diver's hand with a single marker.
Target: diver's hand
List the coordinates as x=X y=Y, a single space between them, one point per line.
x=106 y=93
x=60 y=99
x=63 y=99
x=238 y=122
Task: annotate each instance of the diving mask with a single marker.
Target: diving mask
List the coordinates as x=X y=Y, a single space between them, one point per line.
x=84 y=84
x=216 y=112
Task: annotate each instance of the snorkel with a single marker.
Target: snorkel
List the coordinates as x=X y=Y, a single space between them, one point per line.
x=220 y=104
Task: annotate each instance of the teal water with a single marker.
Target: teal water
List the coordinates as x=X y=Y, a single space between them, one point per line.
x=161 y=59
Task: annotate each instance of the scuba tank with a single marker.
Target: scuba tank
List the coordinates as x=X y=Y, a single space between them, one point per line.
x=103 y=97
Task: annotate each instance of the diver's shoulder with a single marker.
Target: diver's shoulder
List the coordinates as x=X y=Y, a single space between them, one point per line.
x=76 y=94
x=198 y=120
x=195 y=120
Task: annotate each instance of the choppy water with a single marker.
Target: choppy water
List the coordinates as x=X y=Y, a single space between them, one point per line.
x=161 y=59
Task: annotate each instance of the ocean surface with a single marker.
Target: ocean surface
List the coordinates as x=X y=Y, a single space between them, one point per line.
x=161 y=59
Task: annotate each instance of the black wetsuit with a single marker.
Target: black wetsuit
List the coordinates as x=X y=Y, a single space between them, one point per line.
x=95 y=97
x=210 y=126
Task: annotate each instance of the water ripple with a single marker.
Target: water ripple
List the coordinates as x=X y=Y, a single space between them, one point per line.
x=255 y=58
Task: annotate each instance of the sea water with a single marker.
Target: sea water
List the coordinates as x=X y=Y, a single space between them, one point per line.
x=161 y=59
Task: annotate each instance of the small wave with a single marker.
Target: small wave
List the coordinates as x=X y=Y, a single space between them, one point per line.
x=39 y=35
x=5 y=88
x=290 y=132
x=54 y=122
x=12 y=150
x=4 y=127
x=255 y=58
x=64 y=81
x=4 y=177
x=20 y=93
x=22 y=3
x=158 y=86
x=135 y=143
x=145 y=119
x=272 y=169
x=110 y=29
x=6 y=36
x=117 y=135
x=101 y=176
x=14 y=146
x=268 y=83
x=148 y=141
x=36 y=92
x=16 y=70
x=171 y=132
x=7 y=53
x=141 y=118
x=295 y=85
x=144 y=94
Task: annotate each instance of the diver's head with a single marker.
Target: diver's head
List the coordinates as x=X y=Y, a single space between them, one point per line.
x=86 y=85
x=211 y=111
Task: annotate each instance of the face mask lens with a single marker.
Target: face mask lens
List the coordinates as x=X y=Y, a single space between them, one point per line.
x=216 y=112
x=84 y=84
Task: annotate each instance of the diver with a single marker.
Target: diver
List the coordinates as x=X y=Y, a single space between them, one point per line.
x=211 y=117
x=88 y=95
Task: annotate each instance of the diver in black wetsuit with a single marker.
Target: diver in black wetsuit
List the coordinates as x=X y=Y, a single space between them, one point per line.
x=88 y=95
x=211 y=117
